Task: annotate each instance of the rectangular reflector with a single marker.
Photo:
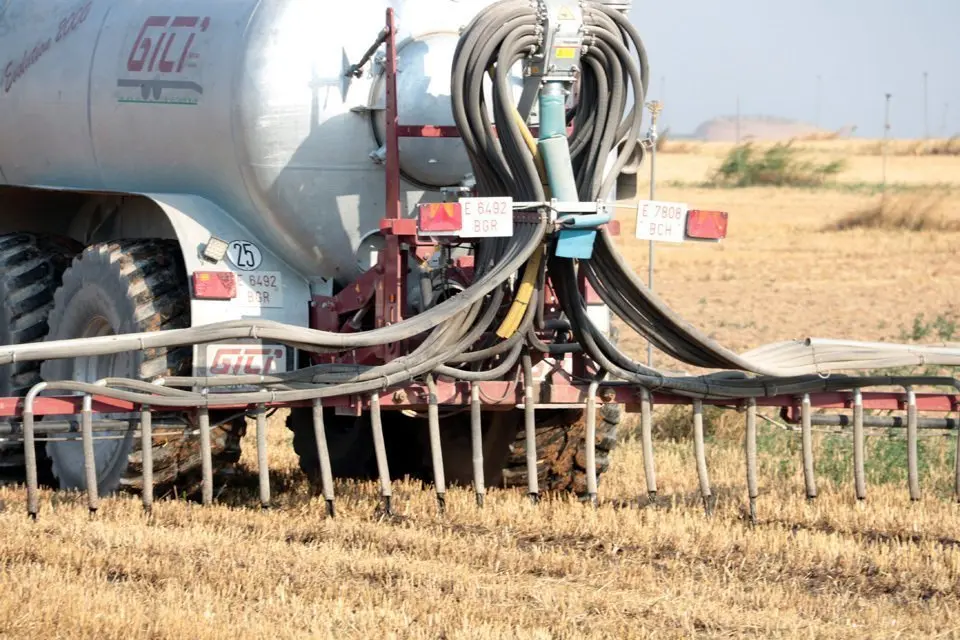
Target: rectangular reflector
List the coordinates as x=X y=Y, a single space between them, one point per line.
x=214 y=285
x=707 y=225
x=440 y=218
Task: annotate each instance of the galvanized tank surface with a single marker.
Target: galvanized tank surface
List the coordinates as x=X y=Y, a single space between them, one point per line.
x=244 y=102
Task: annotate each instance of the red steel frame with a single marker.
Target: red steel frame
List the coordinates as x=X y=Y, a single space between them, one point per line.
x=385 y=285
x=506 y=395
x=384 y=282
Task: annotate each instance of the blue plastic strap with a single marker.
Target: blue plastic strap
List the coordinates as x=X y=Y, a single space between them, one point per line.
x=576 y=243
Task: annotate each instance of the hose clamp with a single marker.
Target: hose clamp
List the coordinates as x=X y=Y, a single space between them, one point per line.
x=562 y=46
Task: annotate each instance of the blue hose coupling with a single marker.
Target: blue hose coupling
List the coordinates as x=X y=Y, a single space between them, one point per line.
x=578 y=232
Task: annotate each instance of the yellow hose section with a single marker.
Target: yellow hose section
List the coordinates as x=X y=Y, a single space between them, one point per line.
x=532 y=145
x=528 y=138
x=509 y=325
x=517 y=310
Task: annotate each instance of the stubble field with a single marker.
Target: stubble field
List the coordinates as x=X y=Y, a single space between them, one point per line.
x=633 y=568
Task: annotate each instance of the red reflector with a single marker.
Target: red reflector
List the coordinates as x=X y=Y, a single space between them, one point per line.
x=440 y=217
x=710 y=225
x=214 y=285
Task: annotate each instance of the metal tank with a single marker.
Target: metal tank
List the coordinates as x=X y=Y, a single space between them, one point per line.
x=244 y=102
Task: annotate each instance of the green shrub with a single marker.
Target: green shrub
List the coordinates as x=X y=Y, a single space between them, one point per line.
x=779 y=165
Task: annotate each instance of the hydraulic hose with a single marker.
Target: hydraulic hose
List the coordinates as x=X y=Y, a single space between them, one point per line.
x=520 y=248
x=506 y=163
x=604 y=140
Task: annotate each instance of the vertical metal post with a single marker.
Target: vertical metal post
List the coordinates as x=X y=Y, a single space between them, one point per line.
x=699 y=451
x=886 y=130
x=750 y=444
x=30 y=451
x=89 y=454
x=655 y=107
x=913 y=471
x=89 y=457
x=146 y=452
x=809 y=479
x=476 y=443
x=323 y=456
x=392 y=121
x=859 y=447
x=206 y=456
x=956 y=457
x=389 y=296
x=819 y=97
x=646 y=435
x=380 y=449
x=738 y=119
x=530 y=429
x=926 y=111
x=591 y=442
x=436 y=453
x=263 y=469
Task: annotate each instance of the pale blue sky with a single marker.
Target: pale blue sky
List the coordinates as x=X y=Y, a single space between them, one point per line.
x=770 y=52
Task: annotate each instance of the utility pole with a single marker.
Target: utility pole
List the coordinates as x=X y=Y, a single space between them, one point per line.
x=819 y=94
x=926 y=113
x=738 y=119
x=886 y=129
x=655 y=107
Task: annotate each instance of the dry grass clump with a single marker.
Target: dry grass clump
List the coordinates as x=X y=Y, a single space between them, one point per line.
x=666 y=144
x=829 y=568
x=932 y=147
x=950 y=147
x=910 y=212
x=818 y=136
x=679 y=147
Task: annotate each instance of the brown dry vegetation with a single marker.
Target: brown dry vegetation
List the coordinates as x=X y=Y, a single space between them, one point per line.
x=830 y=142
x=828 y=568
x=910 y=212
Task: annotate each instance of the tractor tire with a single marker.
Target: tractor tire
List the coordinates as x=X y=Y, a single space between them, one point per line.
x=349 y=443
x=123 y=287
x=31 y=269
x=561 y=449
x=561 y=454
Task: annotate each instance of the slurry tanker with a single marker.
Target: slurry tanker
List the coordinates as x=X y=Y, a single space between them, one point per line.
x=393 y=218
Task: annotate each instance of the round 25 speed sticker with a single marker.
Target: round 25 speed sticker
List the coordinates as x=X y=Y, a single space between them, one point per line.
x=244 y=255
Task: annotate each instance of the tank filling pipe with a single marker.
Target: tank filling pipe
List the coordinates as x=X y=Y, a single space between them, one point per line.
x=323 y=457
x=553 y=145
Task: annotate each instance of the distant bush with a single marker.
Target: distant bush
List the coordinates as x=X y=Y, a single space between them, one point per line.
x=944 y=325
x=949 y=147
x=917 y=212
x=932 y=147
x=778 y=165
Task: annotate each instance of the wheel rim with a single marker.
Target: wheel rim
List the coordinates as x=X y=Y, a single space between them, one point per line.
x=110 y=453
x=92 y=368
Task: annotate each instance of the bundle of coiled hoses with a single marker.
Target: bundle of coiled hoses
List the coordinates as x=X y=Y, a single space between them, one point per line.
x=604 y=137
x=505 y=163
